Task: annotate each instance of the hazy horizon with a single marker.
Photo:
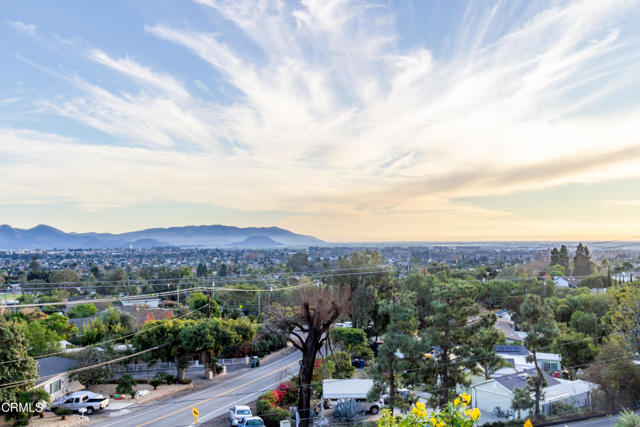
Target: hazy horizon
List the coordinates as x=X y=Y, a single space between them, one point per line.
x=347 y=120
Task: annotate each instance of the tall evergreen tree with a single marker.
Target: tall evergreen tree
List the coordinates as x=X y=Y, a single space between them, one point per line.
x=14 y=348
x=582 y=261
x=451 y=333
x=563 y=257
x=400 y=350
x=555 y=260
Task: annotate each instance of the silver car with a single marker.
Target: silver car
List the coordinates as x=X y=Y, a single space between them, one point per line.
x=91 y=402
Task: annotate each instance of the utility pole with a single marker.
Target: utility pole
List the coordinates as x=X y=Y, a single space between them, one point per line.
x=258 y=303
x=209 y=306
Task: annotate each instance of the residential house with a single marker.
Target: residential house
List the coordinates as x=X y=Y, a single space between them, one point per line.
x=565 y=282
x=53 y=376
x=142 y=314
x=498 y=392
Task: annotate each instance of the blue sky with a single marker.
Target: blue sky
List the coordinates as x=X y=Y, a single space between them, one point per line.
x=349 y=120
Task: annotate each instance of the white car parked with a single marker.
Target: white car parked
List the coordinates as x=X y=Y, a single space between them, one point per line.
x=238 y=413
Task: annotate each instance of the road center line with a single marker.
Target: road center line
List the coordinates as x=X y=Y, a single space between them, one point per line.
x=218 y=395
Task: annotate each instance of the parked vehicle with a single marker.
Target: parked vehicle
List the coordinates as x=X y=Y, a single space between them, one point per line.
x=251 y=422
x=239 y=413
x=371 y=407
x=255 y=362
x=91 y=402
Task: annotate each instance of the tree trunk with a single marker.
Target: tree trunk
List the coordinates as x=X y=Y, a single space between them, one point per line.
x=306 y=377
x=445 y=378
x=392 y=388
x=181 y=368
x=538 y=385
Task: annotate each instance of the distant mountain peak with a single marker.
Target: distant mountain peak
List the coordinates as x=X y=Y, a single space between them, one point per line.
x=44 y=236
x=257 y=242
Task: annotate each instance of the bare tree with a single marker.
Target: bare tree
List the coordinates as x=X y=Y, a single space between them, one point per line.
x=305 y=323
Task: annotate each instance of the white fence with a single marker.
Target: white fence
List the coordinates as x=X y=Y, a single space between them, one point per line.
x=167 y=366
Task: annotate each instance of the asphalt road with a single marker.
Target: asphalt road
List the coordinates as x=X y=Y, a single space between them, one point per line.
x=597 y=422
x=210 y=402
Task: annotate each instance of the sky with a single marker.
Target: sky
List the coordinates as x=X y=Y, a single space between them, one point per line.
x=397 y=120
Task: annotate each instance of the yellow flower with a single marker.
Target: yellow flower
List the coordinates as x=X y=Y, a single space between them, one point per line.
x=433 y=421
x=456 y=402
x=466 y=398
x=475 y=414
x=528 y=423
x=419 y=410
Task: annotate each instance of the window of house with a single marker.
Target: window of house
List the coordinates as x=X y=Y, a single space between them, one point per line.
x=55 y=386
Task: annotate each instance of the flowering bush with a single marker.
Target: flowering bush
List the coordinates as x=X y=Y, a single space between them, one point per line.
x=455 y=414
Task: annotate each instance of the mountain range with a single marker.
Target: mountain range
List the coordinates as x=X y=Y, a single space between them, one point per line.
x=47 y=237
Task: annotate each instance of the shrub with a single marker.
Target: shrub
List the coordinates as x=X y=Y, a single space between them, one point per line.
x=125 y=385
x=289 y=392
x=561 y=408
x=274 y=416
x=628 y=419
x=186 y=381
x=170 y=379
x=155 y=383
x=62 y=413
x=348 y=410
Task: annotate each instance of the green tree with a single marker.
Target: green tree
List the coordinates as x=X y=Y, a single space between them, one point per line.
x=92 y=357
x=482 y=350
x=201 y=270
x=41 y=340
x=64 y=277
x=623 y=316
x=298 y=262
x=126 y=383
x=343 y=367
x=348 y=338
x=366 y=290
x=197 y=303
x=540 y=325
x=83 y=310
x=577 y=349
x=400 y=350
x=555 y=260
x=522 y=400
x=222 y=271
x=585 y=323
x=16 y=366
x=617 y=376
x=563 y=257
x=60 y=325
x=450 y=329
x=582 y=261
x=30 y=401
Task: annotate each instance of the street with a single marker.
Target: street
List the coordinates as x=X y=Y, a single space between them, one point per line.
x=210 y=402
x=596 y=422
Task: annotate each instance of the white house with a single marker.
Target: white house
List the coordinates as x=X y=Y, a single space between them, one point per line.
x=565 y=282
x=53 y=377
x=498 y=392
x=149 y=302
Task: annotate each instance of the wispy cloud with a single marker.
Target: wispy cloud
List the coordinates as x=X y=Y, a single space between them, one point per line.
x=23 y=28
x=333 y=114
x=621 y=203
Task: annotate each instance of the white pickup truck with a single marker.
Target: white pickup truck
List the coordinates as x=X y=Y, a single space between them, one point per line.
x=91 y=402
